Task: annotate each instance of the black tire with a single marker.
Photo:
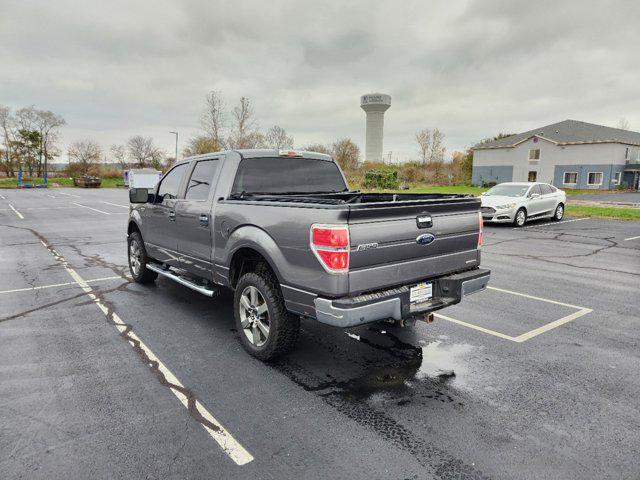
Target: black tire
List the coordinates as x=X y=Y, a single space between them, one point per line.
x=558 y=214
x=283 y=326
x=138 y=269
x=521 y=218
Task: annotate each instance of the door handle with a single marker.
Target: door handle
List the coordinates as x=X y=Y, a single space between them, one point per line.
x=204 y=219
x=172 y=215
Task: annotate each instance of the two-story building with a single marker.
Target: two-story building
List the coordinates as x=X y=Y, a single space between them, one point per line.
x=568 y=154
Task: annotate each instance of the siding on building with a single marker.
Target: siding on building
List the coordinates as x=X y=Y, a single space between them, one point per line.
x=608 y=175
x=498 y=174
x=554 y=161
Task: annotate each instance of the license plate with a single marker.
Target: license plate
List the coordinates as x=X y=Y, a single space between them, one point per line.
x=421 y=293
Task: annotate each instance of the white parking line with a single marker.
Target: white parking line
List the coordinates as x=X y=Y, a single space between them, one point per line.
x=226 y=441
x=51 y=196
x=551 y=223
x=90 y=208
x=532 y=333
x=68 y=194
x=3 y=197
x=115 y=204
x=53 y=285
x=20 y=216
x=631 y=238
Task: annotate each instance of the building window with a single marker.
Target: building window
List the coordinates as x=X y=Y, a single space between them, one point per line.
x=534 y=154
x=570 y=178
x=616 y=178
x=533 y=176
x=594 y=178
x=626 y=154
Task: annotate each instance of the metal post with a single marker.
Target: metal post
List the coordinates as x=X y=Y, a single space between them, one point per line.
x=176 y=134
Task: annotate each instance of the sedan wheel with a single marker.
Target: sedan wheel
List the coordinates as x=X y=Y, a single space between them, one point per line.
x=521 y=218
x=559 y=212
x=254 y=316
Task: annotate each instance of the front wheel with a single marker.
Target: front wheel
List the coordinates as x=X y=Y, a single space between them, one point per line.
x=520 y=218
x=559 y=213
x=138 y=260
x=265 y=328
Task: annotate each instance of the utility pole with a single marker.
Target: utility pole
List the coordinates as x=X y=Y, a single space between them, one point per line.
x=176 y=134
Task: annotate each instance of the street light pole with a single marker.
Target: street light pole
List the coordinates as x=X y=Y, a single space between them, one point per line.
x=176 y=134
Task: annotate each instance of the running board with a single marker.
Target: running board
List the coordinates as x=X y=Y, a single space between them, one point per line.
x=209 y=292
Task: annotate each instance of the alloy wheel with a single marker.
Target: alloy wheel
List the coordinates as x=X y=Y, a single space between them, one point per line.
x=135 y=257
x=254 y=316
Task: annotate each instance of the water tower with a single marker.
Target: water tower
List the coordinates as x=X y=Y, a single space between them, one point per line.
x=374 y=104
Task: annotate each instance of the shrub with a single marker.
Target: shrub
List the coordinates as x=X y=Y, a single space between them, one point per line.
x=384 y=179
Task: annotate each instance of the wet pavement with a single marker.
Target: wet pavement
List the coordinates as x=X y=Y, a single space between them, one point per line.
x=535 y=378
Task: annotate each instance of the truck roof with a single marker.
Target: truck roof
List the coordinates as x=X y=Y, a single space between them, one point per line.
x=266 y=152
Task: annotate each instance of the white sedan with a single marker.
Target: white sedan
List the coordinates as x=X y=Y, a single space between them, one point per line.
x=517 y=202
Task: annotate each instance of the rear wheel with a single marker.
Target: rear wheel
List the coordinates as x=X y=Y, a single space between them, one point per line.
x=265 y=328
x=520 y=218
x=138 y=260
x=559 y=213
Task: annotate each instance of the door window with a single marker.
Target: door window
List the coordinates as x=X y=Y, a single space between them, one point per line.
x=535 y=189
x=170 y=183
x=546 y=189
x=201 y=180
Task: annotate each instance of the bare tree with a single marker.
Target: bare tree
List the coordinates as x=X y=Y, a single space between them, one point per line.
x=244 y=133
x=212 y=119
x=48 y=123
x=437 y=146
x=346 y=153
x=86 y=154
x=144 y=153
x=119 y=154
x=318 y=148
x=623 y=124
x=277 y=138
x=8 y=140
x=423 y=138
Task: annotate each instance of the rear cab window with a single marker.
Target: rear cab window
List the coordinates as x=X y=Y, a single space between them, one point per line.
x=201 y=180
x=287 y=175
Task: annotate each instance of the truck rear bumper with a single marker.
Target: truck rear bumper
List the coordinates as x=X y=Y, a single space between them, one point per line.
x=395 y=303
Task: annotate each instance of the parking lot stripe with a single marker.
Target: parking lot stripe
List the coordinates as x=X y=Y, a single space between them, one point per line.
x=534 y=298
x=631 y=238
x=16 y=212
x=115 y=204
x=90 y=208
x=475 y=327
x=3 y=197
x=226 y=441
x=550 y=326
x=68 y=194
x=551 y=223
x=42 y=287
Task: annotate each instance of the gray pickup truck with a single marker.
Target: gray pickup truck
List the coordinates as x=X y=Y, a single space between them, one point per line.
x=283 y=230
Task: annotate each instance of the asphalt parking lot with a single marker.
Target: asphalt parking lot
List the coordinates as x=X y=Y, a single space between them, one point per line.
x=537 y=377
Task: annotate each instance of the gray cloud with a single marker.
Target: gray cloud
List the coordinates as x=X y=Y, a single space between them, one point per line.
x=473 y=68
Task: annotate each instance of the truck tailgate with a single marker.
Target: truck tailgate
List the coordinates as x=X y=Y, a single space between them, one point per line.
x=384 y=246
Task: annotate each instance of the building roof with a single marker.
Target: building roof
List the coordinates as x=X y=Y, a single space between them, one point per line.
x=567 y=132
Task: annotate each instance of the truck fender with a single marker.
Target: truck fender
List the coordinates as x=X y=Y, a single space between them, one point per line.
x=134 y=218
x=255 y=238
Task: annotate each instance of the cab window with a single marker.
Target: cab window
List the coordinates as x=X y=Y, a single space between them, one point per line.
x=201 y=180
x=170 y=183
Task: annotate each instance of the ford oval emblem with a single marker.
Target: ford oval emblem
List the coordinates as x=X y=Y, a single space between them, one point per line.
x=425 y=239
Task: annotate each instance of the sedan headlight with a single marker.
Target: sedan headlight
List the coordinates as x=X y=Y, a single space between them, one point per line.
x=505 y=206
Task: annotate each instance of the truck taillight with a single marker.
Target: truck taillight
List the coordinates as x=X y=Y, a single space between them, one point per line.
x=330 y=244
x=481 y=224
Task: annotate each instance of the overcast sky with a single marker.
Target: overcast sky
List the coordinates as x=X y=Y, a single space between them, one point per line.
x=114 y=69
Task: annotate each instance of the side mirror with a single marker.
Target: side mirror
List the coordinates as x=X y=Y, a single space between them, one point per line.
x=138 y=195
x=534 y=195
